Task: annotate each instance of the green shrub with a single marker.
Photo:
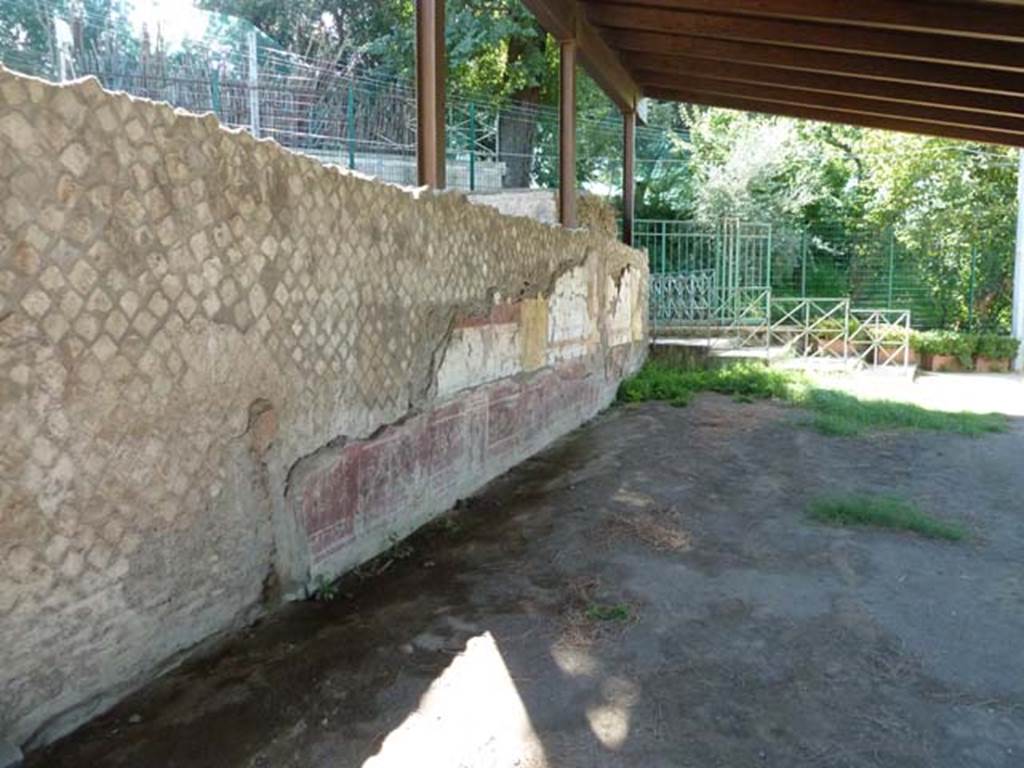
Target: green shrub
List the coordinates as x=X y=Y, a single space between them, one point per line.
x=996 y=347
x=890 y=335
x=832 y=326
x=925 y=342
x=950 y=343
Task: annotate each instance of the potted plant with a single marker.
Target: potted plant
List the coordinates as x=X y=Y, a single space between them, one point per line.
x=829 y=336
x=925 y=345
x=995 y=353
x=945 y=350
x=888 y=341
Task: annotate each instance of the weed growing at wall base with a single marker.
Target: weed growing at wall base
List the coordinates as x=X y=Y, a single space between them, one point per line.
x=658 y=381
x=833 y=412
x=882 y=512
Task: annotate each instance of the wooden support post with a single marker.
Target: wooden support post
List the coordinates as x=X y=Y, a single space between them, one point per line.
x=1017 y=322
x=430 y=96
x=628 y=175
x=567 y=136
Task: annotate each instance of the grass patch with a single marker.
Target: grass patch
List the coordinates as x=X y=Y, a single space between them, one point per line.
x=838 y=413
x=601 y=612
x=883 y=512
x=834 y=413
x=658 y=381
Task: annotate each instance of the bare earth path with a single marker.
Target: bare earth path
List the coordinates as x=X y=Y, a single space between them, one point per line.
x=649 y=593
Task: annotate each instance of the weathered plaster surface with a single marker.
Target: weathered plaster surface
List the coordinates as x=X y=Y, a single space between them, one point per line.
x=542 y=205
x=226 y=369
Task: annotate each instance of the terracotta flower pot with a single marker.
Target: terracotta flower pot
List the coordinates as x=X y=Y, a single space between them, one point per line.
x=894 y=355
x=992 y=364
x=832 y=348
x=945 y=363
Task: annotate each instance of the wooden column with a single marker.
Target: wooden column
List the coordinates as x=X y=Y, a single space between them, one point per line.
x=567 y=136
x=430 y=81
x=628 y=175
x=1017 y=317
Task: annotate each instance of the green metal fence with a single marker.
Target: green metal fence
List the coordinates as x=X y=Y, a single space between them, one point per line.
x=341 y=111
x=945 y=280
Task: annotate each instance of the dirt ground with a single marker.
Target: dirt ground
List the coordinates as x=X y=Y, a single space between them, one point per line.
x=648 y=592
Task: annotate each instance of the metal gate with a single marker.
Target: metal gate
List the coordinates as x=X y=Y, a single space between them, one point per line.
x=701 y=275
x=714 y=282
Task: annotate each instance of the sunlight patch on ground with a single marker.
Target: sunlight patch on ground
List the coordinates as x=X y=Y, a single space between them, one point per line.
x=471 y=715
x=953 y=392
x=573 y=661
x=609 y=722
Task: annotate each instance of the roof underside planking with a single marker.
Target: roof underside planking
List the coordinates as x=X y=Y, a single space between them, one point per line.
x=952 y=68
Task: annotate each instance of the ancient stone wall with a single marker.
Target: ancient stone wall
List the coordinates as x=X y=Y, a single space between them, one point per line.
x=593 y=212
x=227 y=371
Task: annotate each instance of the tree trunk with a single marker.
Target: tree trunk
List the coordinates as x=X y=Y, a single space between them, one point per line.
x=517 y=123
x=517 y=128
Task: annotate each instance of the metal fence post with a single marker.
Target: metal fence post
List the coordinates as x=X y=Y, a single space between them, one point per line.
x=472 y=146
x=254 y=86
x=846 y=333
x=664 y=245
x=350 y=126
x=892 y=263
x=803 y=264
x=215 y=91
x=970 y=289
x=906 y=339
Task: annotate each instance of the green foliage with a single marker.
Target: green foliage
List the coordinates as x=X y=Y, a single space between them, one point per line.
x=996 y=347
x=834 y=412
x=883 y=512
x=326 y=589
x=892 y=335
x=659 y=381
x=840 y=191
x=962 y=346
x=613 y=612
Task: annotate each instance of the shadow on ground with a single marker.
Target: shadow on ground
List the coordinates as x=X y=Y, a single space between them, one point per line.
x=648 y=592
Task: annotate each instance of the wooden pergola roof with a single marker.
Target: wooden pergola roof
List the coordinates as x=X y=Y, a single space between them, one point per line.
x=952 y=68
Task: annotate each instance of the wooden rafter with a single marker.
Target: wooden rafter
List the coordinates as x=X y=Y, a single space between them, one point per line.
x=831 y=114
x=997 y=20
x=805 y=34
x=565 y=20
x=788 y=95
x=873 y=67
x=682 y=67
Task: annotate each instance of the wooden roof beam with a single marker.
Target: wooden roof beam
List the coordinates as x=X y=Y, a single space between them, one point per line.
x=875 y=67
x=829 y=115
x=996 y=20
x=813 y=35
x=678 y=69
x=1012 y=126
x=565 y=20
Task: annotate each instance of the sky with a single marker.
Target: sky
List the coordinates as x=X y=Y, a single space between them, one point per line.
x=177 y=20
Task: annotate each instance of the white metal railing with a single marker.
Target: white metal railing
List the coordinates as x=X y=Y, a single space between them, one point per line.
x=880 y=337
x=810 y=328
